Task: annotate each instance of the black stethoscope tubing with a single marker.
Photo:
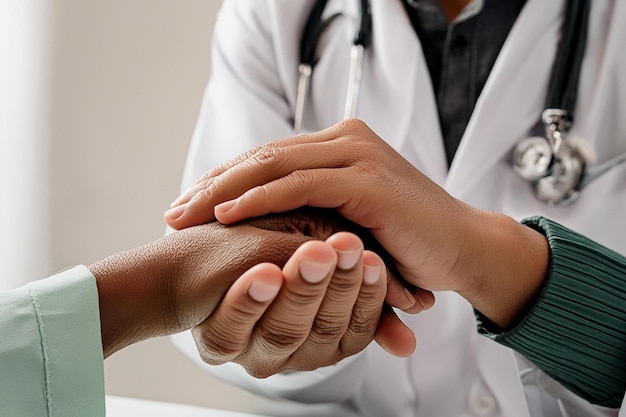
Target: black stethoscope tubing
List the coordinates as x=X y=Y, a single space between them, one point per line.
x=315 y=26
x=311 y=34
x=563 y=85
x=556 y=168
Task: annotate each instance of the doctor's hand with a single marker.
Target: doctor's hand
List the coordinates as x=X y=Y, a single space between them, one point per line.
x=436 y=241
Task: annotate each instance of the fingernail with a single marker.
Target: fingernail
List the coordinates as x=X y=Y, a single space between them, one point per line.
x=371 y=274
x=347 y=259
x=410 y=298
x=314 y=272
x=176 y=212
x=225 y=206
x=262 y=291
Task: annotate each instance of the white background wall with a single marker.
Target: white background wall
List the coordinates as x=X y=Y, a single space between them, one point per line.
x=107 y=94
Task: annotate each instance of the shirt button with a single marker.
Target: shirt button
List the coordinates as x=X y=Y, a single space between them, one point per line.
x=481 y=402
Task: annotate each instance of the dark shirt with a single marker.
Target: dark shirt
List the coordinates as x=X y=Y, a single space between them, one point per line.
x=460 y=56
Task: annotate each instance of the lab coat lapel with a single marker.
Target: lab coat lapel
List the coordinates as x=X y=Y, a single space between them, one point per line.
x=513 y=97
x=396 y=80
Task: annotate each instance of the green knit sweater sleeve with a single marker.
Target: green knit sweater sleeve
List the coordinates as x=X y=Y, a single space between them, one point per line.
x=576 y=332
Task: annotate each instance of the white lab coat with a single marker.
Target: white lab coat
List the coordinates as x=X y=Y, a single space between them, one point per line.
x=251 y=98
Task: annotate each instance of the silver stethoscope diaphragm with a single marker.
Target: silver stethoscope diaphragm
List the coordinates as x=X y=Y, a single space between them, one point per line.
x=562 y=186
x=552 y=164
x=532 y=158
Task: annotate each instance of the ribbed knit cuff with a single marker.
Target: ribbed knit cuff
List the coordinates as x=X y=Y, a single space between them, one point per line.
x=576 y=332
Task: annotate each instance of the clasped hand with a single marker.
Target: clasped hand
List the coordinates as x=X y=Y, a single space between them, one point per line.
x=326 y=303
x=436 y=242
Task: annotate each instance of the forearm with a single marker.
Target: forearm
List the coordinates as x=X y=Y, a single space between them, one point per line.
x=133 y=296
x=175 y=282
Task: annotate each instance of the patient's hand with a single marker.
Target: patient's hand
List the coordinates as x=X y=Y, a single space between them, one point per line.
x=330 y=305
x=325 y=305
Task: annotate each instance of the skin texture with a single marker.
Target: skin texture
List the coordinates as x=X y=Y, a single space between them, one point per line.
x=328 y=298
x=435 y=241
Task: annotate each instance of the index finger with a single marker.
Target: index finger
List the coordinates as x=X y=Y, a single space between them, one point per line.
x=258 y=166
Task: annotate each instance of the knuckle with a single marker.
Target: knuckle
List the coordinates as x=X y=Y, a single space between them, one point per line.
x=219 y=347
x=303 y=184
x=364 y=322
x=344 y=284
x=264 y=155
x=328 y=329
x=299 y=179
x=243 y=313
x=251 y=156
x=278 y=339
x=351 y=125
x=360 y=333
x=204 y=194
x=238 y=159
x=214 y=185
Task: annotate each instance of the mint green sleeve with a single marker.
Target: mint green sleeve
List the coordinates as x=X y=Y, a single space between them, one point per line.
x=576 y=332
x=50 y=348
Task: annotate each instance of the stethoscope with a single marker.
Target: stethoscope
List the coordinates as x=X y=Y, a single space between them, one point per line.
x=555 y=167
x=313 y=29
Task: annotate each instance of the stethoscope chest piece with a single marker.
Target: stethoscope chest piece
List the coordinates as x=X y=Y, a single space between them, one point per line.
x=562 y=185
x=553 y=165
x=532 y=158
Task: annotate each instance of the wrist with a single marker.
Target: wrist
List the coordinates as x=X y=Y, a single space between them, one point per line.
x=508 y=268
x=132 y=298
